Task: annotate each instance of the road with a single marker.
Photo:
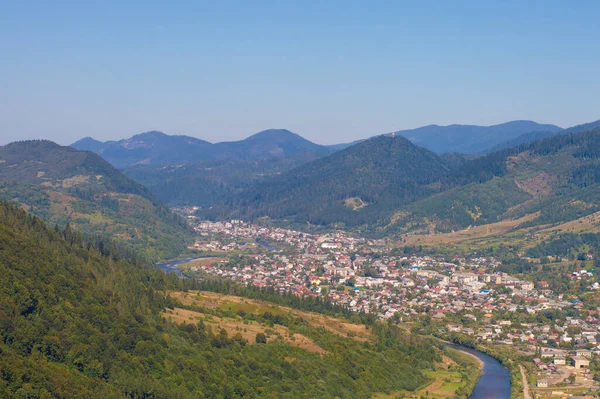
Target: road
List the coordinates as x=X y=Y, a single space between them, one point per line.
x=526 y=393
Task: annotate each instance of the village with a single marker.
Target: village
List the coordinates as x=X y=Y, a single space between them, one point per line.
x=460 y=295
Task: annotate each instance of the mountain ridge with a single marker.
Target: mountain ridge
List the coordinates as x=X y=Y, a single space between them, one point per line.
x=375 y=172
x=434 y=193
x=156 y=147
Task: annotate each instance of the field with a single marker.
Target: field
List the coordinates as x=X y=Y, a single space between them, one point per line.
x=334 y=325
x=469 y=235
x=248 y=330
x=494 y=234
x=201 y=262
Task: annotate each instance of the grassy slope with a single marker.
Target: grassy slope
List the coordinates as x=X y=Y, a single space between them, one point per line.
x=75 y=323
x=63 y=185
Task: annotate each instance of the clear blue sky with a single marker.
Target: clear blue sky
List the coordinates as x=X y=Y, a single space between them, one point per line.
x=332 y=71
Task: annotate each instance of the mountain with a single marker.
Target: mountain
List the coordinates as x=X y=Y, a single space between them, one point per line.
x=89 y=144
x=157 y=148
x=146 y=148
x=546 y=182
x=342 y=146
x=389 y=186
x=470 y=139
x=271 y=143
x=522 y=139
x=205 y=183
x=538 y=135
x=80 y=318
x=353 y=186
x=64 y=185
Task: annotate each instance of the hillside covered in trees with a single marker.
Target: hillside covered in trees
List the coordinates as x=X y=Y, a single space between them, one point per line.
x=555 y=180
x=388 y=186
x=354 y=186
x=81 y=317
x=64 y=185
x=204 y=183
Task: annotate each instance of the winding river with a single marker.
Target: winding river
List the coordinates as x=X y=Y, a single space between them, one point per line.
x=172 y=265
x=495 y=380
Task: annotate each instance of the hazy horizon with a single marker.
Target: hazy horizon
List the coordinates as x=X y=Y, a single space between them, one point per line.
x=314 y=141
x=333 y=72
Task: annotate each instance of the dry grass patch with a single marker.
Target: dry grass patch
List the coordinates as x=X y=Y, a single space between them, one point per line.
x=472 y=233
x=75 y=180
x=355 y=203
x=248 y=331
x=60 y=203
x=213 y=300
x=201 y=262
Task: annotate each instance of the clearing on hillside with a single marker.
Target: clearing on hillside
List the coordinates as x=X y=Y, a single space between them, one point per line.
x=247 y=330
x=344 y=328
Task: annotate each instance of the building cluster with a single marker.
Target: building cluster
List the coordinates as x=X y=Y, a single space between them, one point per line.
x=365 y=275
x=466 y=295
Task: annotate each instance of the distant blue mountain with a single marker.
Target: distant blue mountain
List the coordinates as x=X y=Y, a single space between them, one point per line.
x=538 y=135
x=464 y=139
x=471 y=139
x=157 y=148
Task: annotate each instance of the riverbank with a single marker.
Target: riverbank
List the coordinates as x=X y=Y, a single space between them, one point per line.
x=460 y=349
x=454 y=377
x=477 y=360
x=504 y=356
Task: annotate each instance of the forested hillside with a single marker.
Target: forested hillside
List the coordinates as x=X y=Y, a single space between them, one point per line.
x=354 y=186
x=205 y=183
x=81 y=318
x=64 y=185
x=556 y=179
x=390 y=186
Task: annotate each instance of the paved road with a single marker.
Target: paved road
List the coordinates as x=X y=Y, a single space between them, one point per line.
x=526 y=393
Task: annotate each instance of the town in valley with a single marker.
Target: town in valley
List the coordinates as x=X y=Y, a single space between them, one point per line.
x=467 y=295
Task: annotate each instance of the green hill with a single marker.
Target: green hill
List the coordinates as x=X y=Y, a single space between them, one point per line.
x=389 y=186
x=64 y=185
x=81 y=318
x=204 y=183
x=556 y=178
x=354 y=187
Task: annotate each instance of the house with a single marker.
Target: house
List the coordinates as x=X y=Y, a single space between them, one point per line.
x=580 y=362
x=559 y=360
x=526 y=286
x=542 y=384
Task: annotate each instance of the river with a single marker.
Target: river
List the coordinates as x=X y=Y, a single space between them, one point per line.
x=171 y=266
x=495 y=380
x=267 y=246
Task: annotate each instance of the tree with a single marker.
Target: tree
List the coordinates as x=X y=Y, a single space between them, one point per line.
x=261 y=338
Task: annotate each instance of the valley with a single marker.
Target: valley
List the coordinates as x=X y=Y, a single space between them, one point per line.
x=495 y=252
x=299 y=200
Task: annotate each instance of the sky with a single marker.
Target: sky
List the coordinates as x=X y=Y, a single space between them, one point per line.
x=331 y=71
